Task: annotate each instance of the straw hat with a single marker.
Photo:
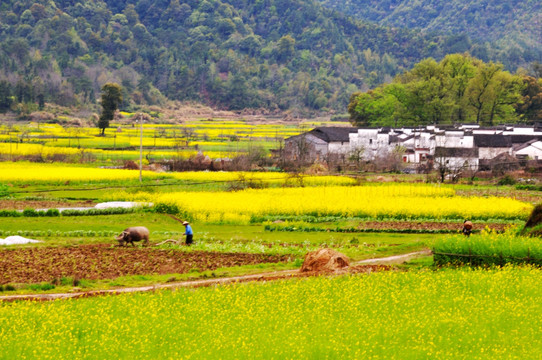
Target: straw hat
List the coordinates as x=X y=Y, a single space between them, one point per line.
x=185 y=222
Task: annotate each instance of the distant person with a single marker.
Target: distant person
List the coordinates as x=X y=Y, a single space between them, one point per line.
x=188 y=232
x=467 y=228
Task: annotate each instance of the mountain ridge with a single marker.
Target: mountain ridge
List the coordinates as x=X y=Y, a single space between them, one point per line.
x=287 y=55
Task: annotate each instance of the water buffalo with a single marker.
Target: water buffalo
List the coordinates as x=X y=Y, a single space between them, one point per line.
x=135 y=233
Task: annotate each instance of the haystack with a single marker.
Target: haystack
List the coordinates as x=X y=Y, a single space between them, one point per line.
x=325 y=260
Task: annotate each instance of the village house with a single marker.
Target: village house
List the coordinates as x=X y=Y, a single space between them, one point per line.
x=319 y=142
x=466 y=146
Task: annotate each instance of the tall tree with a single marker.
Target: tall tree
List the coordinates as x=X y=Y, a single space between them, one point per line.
x=6 y=97
x=530 y=107
x=111 y=98
x=479 y=90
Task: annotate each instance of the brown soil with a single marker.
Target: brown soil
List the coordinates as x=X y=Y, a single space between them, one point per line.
x=103 y=261
x=324 y=260
x=41 y=204
x=415 y=225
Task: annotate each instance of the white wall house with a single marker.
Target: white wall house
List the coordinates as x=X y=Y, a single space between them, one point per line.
x=458 y=146
x=319 y=142
x=491 y=146
x=531 y=150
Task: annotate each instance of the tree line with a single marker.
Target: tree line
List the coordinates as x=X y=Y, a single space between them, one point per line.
x=458 y=89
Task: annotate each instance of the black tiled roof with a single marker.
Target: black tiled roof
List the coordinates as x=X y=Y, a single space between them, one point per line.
x=456 y=152
x=333 y=134
x=521 y=139
x=491 y=140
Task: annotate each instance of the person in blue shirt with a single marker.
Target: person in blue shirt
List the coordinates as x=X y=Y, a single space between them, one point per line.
x=188 y=232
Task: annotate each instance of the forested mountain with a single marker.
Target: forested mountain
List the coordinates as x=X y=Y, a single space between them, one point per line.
x=273 y=54
x=513 y=28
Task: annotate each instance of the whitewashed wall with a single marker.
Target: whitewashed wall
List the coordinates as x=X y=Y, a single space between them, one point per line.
x=533 y=151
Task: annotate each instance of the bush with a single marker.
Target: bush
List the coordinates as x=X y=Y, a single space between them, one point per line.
x=166 y=208
x=10 y=213
x=30 y=213
x=52 y=212
x=91 y=212
x=42 y=287
x=507 y=180
x=4 y=191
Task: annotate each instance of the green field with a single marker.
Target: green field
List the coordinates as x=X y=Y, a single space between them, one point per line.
x=209 y=237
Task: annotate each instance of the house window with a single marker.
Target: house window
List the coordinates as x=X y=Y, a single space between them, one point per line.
x=405 y=158
x=370 y=141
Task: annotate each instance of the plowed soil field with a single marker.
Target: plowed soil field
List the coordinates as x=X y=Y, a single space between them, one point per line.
x=102 y=261
x=10 y=204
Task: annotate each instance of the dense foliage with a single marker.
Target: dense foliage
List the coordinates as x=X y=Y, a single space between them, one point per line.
x=274 y=54
x=513 y=27
x=458 y=89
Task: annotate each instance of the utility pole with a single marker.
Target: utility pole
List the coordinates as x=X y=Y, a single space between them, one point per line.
x=141 y=148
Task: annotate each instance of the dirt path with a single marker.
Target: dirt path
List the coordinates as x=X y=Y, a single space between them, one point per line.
x=284 y=274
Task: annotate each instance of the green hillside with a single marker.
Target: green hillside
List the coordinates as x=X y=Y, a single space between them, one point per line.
x=231 y=54
x=513 y=28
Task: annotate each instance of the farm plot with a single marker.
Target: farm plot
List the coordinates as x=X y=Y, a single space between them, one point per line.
x=102 y=261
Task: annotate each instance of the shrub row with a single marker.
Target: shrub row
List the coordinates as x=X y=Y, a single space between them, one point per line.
x=69 y=212
x=481 y=260
x=75 y=233
x=529 y=187
x=323 y=219
x=109 y=211
x=293 y=228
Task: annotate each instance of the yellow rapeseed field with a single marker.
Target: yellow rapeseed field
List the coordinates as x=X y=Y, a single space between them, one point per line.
x=264 y=177
x=462 y=314
x=391 y=201
x=36 y=172
x=35 y=149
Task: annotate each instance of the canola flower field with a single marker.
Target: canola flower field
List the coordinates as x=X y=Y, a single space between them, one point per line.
x=393 y=201
x=53 y=173
x=448 y=314
x=214 y=138
x=27 y=172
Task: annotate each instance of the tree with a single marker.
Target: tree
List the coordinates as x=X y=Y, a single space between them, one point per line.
x=378 y=107
x=530 y=107
x=6 y=98
x=285 y=48
x=111 y=98
x=478 y=92
x=505 y=94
